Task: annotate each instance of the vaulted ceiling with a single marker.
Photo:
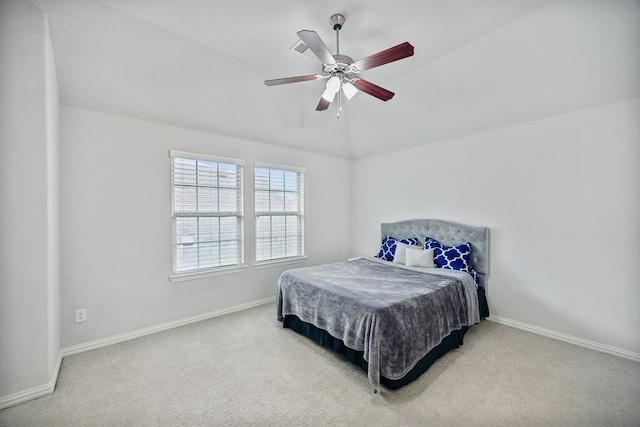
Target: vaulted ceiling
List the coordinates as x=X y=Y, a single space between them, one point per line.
x=478 y=65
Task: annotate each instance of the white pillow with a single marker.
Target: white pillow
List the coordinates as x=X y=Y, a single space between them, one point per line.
x=417 y=257
x=399 y=256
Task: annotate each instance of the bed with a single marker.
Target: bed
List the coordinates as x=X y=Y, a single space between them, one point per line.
x=389 y=314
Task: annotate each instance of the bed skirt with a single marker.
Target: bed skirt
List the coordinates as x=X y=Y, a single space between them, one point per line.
x=322 y=337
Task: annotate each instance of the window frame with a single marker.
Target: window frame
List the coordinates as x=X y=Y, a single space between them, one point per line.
x=299 y=213
x=237 y=213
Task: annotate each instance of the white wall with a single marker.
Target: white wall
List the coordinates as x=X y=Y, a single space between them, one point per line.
x=116 y=223
x=52 y=123
x=29 y=220
x=561 y=198
x=554 y=172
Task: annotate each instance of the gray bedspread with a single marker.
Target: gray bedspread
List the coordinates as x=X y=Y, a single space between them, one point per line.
x=394 y=314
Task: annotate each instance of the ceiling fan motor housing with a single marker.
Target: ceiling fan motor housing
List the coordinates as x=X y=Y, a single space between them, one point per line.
x=344 y=65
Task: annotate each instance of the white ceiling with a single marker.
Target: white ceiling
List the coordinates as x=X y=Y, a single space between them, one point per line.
x=478 y=65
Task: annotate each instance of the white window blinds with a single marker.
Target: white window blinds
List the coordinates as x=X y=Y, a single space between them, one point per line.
x=279 y=208
x=207 y=211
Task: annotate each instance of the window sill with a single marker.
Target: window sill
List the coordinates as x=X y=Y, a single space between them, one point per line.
x=279 y=261
x=183 y=277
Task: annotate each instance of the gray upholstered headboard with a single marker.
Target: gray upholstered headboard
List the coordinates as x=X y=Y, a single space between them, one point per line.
x=448 y=233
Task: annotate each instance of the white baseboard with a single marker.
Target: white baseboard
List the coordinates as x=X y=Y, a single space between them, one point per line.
x=567 y=338
x=104 y=342
x=35 y=392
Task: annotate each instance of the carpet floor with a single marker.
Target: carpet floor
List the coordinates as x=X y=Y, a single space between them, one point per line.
x=244 y=369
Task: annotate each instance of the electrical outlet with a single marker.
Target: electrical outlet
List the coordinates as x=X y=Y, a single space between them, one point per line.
x=81 y=315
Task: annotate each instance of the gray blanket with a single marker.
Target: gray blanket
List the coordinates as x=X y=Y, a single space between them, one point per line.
x=392 y=313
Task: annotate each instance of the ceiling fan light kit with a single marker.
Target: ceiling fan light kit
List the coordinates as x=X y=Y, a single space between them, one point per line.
x=341 y=71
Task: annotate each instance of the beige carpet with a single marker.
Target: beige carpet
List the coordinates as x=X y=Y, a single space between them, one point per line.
x=243 y=369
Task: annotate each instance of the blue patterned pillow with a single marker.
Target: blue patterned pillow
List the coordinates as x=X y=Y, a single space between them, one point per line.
x=388 y=247
x=450 y=257
x=430 y=243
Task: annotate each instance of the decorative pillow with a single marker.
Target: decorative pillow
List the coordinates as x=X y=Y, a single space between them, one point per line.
x=400 y=255
x=388 y=247
x=451 y=257
x=419 y=257
x=430 y=243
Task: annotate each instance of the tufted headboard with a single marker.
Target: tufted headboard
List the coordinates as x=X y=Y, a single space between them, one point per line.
x=448 y=233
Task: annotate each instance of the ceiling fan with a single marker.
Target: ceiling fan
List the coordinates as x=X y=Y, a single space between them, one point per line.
x=341 y=71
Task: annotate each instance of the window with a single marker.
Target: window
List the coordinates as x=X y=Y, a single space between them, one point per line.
x=207 y=210
x=279 y=202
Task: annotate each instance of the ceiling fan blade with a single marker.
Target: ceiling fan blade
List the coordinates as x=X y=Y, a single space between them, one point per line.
x=296 y=79
x=373 y=90
x=317 y=46
x=323 y=105
x=401 y=51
